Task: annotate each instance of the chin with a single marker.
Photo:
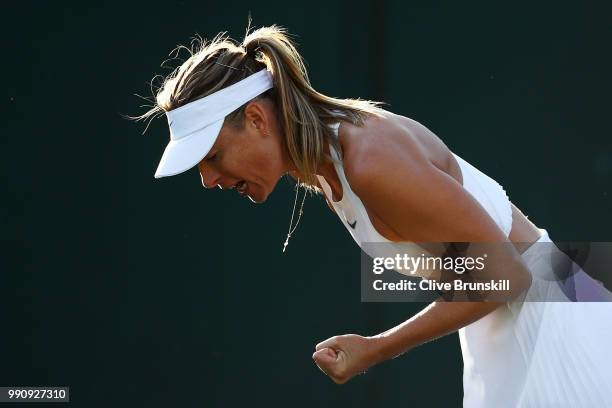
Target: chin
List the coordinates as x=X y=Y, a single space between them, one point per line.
x=256 y=201
x=258 y=196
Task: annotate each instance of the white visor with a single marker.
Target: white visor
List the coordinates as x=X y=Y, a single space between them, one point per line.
x=194 y=127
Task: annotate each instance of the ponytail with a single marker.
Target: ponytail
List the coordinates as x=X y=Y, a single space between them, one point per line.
x=304 y=112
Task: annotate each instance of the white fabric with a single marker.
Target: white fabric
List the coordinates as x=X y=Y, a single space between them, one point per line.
x=194 y=127
x=524 y=354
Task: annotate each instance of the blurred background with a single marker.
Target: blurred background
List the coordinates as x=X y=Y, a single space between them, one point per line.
x=142 y=292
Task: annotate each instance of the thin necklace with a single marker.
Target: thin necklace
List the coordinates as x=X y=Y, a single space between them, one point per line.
x=297 y=190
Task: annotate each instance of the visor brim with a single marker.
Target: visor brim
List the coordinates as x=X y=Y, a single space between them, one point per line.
x=183 y=154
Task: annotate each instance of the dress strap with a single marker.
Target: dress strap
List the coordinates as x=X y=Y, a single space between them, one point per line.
x=335 y=127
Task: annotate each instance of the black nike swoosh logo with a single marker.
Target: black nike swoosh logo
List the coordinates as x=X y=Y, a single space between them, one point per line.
x=353 y=224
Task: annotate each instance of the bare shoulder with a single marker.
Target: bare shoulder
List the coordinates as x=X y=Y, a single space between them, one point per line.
x=397 y=168
x=383 y=143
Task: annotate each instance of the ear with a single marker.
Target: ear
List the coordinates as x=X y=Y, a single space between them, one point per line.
x=257 y=118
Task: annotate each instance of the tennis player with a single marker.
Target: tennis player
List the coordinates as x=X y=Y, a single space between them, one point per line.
x=246 y=114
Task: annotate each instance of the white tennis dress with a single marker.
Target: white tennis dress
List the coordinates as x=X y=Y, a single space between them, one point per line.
x=524 y=354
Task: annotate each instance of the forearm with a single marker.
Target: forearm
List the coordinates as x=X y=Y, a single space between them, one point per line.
x=443 y=317
x=436 y=320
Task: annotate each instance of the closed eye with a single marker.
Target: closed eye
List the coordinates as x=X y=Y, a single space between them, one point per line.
x=211 y=158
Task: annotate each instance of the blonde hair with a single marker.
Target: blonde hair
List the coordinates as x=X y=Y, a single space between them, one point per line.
x=303 y=113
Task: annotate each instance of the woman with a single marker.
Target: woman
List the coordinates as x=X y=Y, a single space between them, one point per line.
x=246 y=114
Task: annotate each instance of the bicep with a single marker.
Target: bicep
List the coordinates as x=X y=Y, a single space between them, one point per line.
x=423 y=204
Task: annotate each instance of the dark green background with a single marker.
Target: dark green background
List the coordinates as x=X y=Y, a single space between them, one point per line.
x=157 y=293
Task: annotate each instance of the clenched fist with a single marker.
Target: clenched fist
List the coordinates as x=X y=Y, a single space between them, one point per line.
x=342 y=357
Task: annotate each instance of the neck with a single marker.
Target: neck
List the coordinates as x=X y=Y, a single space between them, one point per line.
x=326 y=169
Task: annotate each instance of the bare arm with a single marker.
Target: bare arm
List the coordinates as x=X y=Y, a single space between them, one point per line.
x=396 y=181
x=436 y=320
x=421 y=203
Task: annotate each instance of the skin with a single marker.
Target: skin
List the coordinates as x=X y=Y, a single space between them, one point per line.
x=383 y=154
x=255 y=154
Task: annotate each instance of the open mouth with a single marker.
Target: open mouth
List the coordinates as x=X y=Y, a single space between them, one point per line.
x=241 y=187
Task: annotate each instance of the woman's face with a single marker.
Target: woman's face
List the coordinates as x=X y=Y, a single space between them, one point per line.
x=252 y=159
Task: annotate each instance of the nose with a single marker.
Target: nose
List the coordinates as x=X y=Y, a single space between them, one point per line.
x=210 y=177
